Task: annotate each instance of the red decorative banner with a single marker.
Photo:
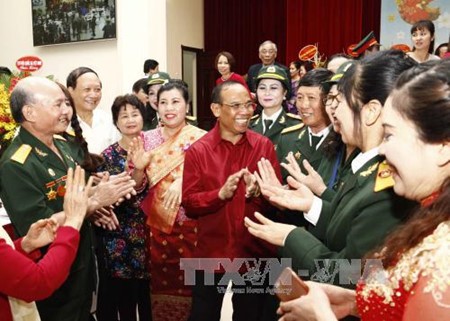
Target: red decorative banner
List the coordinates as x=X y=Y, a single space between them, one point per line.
x=29 y=63
x=307 y=52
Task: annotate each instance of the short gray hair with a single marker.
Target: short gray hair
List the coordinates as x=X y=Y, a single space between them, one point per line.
x=268 y=42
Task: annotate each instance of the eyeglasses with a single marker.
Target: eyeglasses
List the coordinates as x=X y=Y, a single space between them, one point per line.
x=328 y=101
x=236 y=107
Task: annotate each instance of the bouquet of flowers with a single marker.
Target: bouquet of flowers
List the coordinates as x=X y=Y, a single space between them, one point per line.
x=8 y=126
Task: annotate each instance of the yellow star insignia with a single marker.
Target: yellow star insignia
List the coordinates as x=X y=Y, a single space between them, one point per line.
x=51 y=195
x=297 y=155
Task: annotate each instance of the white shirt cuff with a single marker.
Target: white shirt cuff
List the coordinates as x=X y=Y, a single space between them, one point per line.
x=313 y=215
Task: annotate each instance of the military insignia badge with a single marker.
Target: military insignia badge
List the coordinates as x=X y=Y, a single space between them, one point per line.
x=297 y=155
x=301 y=134
x=40 y=152
x=61 y=190
x=370 y=170
x=51 y=172
x=384 y=177
x=51 y=195
x=282 y=120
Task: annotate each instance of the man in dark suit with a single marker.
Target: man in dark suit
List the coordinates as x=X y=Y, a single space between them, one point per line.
x=267 y=54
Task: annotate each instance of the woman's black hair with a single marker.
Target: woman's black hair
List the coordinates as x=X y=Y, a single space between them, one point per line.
x=372 y=78
x=122 y=101
x=421 y=25
x=90 y=161
x=178 y=84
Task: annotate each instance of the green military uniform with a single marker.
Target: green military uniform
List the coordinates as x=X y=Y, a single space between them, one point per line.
x=297 y=142
x=191 y=120
x=285 y=122
x=148 y=125
x=354 y=223
x=32 y=187
x=335 y=168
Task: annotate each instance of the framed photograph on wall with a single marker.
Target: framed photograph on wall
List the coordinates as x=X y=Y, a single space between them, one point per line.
x=66 y=21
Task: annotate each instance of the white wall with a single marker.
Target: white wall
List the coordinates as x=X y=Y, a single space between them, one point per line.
x=142 y=33
x=184 y=27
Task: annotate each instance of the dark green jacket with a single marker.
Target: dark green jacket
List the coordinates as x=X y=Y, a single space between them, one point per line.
x=354 y=223
x=32 y=180
x=297 y=142
x=327 y=167
x=284 y=123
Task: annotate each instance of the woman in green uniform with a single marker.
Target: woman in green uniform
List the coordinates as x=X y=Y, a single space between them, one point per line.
x=365 y=208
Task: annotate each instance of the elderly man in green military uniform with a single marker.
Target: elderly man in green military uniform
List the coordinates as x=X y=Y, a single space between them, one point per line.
x=154 y=82
x=306 y=142
x=272 y=86
x=32 y=186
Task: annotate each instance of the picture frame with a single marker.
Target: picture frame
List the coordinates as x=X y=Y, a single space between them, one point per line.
x=69 y=21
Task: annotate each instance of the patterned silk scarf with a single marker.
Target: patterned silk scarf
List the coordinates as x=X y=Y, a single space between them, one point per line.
x=21 y=310
x=166 y=166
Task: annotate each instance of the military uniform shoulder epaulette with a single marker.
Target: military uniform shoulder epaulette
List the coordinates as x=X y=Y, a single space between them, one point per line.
x=21 y=154
x=70 y=132
x=191 y=118
x=255 y=116
x=59 y=137
x=292 y=128
x=293 y=116
x=384 y=177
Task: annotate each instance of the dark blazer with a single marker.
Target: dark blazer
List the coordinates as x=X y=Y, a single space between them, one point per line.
x=32 y=181
x=354 y=223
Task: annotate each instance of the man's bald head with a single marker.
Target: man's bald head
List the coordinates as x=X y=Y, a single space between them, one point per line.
x=27 y=92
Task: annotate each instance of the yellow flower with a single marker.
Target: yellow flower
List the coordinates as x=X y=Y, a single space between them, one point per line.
x=7 y=124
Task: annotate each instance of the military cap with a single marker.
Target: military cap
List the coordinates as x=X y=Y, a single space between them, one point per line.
x=339 y=74
x=367 y=42
x=158 y=78
x=273 y=72
x=341 y=71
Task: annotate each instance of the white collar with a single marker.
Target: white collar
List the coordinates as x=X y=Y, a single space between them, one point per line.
x=363 y=158
x=274 y=117
x=324 y=133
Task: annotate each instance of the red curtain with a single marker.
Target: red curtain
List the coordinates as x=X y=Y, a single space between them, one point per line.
x=372 y=17
x=331 y=24
x=240 y=26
